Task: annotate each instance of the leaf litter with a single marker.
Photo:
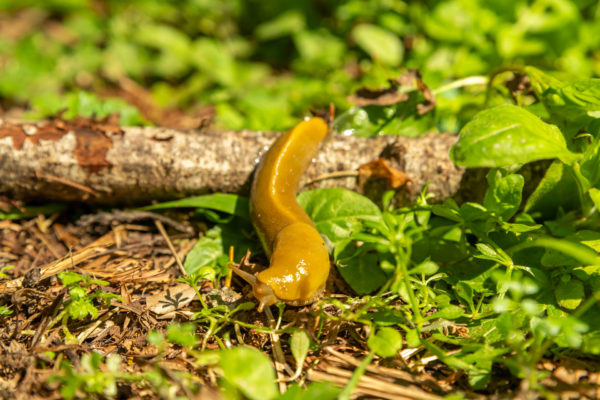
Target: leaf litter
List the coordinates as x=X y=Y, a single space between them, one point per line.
x=138 y=265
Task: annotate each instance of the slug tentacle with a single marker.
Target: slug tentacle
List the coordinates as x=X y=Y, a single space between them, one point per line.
x=299 y=261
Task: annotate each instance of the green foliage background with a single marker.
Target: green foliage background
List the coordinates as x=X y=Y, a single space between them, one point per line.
x=520 y=273
x=264 y=64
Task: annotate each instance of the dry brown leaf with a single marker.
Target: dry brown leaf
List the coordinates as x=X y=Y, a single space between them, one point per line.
x=380 y=169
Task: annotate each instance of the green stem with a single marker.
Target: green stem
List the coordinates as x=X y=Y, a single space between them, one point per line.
x=353 y=382
x=468 y=81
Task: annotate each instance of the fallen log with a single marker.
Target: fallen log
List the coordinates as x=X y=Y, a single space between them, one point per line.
x=102 y=163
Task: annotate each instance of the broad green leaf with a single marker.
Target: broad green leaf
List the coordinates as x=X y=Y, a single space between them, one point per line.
x=412 y=338
x=338 y=213
x=319 y=48
x=250 y=371
x=508 y=135
x=212 y=249
x=205 y=252
x=223 y=202
x=386 y=342
x=379 y=43
x=284 y=24
x=448 y=312
x=465 y=292
x=426 y=268
x=503 y=195
x=569 y=294
x=576 y=100
x=299 y=345
x=557 y=189
x=359 y=269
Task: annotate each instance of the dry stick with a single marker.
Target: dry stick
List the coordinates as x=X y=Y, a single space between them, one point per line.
x=181 y=253
x=144 y=163
x=377 y=390
x=64 y=181
x=332 y=175
x=161 y=228
x=44 y=240
x=95 y=324
x=395 y=373
x=46 y=318
x=53 y=268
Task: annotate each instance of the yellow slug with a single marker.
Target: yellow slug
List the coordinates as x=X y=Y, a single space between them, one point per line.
x=298 y=257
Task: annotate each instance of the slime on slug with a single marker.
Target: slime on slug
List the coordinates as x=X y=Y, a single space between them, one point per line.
x=298 y=257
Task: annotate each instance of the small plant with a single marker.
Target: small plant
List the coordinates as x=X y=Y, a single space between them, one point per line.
x=95 y=376
x=81 y=301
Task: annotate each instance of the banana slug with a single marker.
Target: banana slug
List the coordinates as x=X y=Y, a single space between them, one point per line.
x=298 y=257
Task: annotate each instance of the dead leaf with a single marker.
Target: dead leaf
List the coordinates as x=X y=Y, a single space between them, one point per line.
x=381 y=169
x=171 y=299
x=398 y=91
x=168 y=117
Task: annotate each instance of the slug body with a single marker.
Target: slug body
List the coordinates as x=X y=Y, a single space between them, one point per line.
x=299 y=261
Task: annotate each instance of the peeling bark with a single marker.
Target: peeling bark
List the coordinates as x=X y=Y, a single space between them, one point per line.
x=107 y=164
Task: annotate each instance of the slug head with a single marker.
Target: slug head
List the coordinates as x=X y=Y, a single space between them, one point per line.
x=263 y=292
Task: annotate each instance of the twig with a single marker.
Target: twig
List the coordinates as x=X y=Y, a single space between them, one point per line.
x=64 y=181
x=162 y=231
x=332 y=175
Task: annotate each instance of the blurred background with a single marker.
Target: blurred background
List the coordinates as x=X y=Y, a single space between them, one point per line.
x=248 y=64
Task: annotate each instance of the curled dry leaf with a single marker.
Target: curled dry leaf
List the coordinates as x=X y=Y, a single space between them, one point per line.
x=397 y=92
x=380 y=169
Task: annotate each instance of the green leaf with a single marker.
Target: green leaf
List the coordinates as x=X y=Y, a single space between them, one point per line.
x=569 y=294
x=214 y=59
x=577 y=251
x=250 y=371
x=319 y=48
x=314 y=391
x=590 y=165
x=223 y=202
x=183 y=335
x=448 y=312
x=595 y=196
x=359 y=269
x=299 y=345
x=557 y=189
x=426 y=268
x=338 y=213
x=284 y=24
x=69 y=278
x=573 y=100
x=508 y=135
x=386 y=342
x=32 y=211
x=379 y=43
x=212 y=249
x=503 y=196
x=81 y=308
x=206 y=251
